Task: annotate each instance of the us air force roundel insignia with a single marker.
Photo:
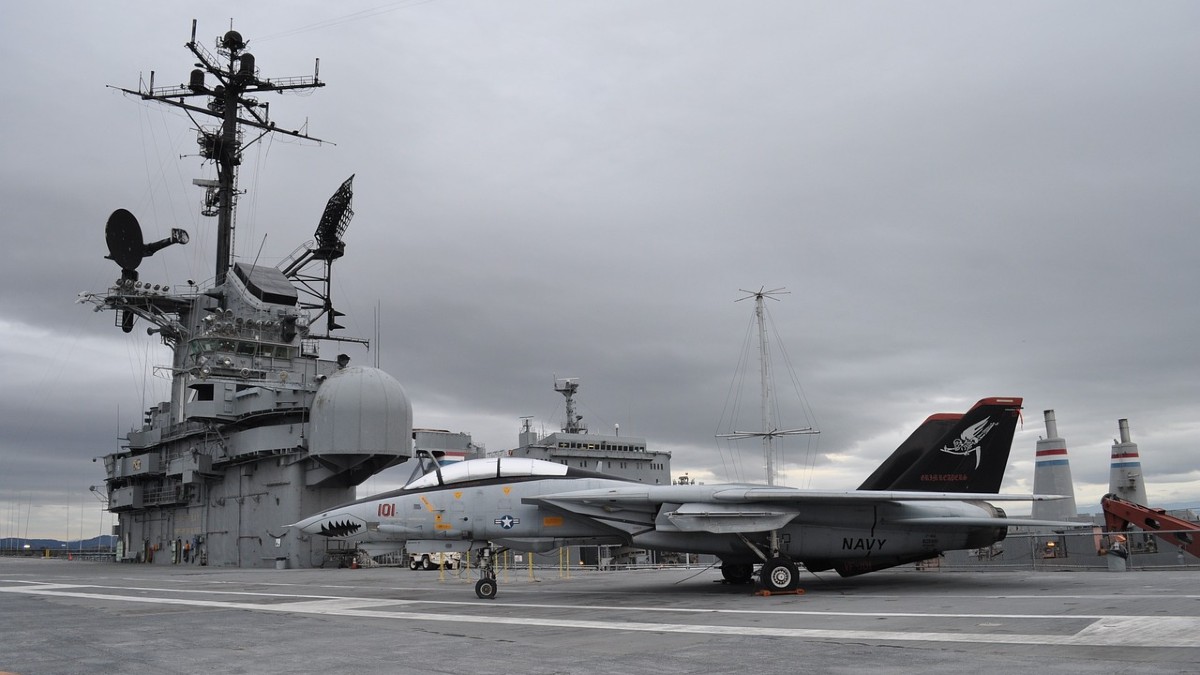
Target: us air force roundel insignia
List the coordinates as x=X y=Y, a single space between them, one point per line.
x=507 y=522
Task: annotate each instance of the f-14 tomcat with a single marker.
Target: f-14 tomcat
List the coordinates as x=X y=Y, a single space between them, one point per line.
x=931 y=495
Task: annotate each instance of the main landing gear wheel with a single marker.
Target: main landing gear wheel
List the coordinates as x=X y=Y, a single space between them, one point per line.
x=485 y=588
x=780 y=574
x=737 y=573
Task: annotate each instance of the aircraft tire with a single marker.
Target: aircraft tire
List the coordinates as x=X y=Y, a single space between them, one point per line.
x=737 y=573
x=485 y=588
x=780 y=574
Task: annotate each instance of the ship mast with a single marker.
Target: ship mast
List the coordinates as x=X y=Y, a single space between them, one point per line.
x=769 y=430
x=230 y=101
x=567 y=387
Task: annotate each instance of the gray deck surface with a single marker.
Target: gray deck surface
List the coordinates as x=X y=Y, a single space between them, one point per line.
x=60 y=616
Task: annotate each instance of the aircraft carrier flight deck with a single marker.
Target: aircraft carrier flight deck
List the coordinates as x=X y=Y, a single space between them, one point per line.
x=77 y=616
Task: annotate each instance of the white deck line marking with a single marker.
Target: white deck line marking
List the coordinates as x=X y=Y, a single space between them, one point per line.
x=640 y=610
x=158 y=589
x=1112 y=631
x=1178 y=631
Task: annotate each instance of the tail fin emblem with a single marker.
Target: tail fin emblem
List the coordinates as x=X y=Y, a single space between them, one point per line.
x=970 y=440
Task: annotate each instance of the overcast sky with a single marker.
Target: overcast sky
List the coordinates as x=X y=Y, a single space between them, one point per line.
x=963 y=199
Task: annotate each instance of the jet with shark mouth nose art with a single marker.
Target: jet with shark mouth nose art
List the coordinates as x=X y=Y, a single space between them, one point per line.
x=931 y=495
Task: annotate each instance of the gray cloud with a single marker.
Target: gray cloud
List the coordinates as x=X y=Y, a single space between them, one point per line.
x=963 y=200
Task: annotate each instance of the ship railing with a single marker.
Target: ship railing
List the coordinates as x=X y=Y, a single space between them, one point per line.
x=301 y=252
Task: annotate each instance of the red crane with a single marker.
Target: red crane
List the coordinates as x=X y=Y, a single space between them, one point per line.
x=1119 y=514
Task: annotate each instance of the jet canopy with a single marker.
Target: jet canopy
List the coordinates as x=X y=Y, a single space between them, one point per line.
x=491 y=467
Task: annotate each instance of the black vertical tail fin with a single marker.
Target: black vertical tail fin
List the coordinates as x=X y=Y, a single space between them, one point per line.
x=970 y=457
x=932 y=430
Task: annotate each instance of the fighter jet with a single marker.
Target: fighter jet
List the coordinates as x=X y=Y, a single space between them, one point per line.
x=931 y=495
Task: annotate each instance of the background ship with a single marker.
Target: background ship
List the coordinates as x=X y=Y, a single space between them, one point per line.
x=621 y=456
x=260 y=430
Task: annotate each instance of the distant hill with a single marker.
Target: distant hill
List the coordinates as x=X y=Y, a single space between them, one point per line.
x=105 y=541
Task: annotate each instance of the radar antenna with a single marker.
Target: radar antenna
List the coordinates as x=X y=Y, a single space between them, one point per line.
x=127 y=248
x=311 y=265
x=769 y=431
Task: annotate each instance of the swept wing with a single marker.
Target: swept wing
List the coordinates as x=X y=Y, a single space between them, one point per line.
x=746 y=509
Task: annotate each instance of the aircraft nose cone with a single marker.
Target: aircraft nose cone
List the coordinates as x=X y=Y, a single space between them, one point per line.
x=310 y=525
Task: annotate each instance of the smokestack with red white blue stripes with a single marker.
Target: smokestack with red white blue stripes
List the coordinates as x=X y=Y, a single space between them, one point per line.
x=1052 y=475
x=1125 y=479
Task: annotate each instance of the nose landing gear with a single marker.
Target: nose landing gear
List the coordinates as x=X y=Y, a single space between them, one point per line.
x=485 y=588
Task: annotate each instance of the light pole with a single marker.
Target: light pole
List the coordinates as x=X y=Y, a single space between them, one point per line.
x=103 y=499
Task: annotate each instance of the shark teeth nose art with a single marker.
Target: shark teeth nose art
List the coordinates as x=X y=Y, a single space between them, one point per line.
x=340 y=528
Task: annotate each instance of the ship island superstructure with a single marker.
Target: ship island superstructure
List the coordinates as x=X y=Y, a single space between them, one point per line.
x=613 y=454
x=259 y=431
